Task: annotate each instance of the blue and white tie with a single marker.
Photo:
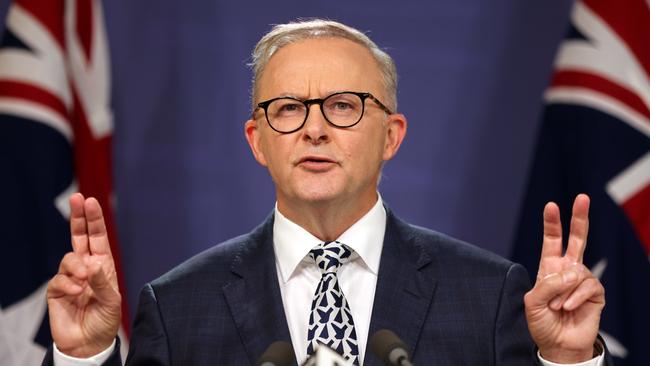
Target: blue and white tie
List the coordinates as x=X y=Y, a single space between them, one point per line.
x=330 y=320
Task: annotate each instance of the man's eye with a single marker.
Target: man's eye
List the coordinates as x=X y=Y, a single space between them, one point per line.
x=289 y=108
x=343 y=106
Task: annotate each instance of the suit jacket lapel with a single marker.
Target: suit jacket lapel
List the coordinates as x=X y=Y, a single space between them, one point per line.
x=404 y=288
x=254 y=297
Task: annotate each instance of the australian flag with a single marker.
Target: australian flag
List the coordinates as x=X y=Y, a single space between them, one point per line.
x=595 y=138
x=55 y=139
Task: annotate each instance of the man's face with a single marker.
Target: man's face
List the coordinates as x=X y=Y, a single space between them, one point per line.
x=321 y=163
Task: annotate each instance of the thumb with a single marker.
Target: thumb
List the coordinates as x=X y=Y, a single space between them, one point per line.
x=550 y=287
x=101 y=286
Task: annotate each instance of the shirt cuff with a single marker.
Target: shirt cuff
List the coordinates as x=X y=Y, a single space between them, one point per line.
x=596 y=361
x=61 y=359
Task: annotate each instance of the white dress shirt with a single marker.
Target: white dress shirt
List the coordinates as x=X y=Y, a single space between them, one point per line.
x=298 y=277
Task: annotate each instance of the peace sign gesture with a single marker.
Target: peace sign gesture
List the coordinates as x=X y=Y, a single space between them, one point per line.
x=563 y=308
x=83 y=297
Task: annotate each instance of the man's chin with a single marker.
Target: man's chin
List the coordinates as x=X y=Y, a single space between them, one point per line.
x=317 y=194
x=319 y=197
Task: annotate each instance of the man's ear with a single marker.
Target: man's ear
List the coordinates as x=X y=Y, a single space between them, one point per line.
x=253 y=136
x=395 y=133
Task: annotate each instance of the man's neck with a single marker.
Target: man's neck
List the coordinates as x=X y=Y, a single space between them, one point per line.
x=327 y=220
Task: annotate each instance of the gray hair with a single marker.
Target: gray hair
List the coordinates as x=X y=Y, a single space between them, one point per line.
x=284 y=34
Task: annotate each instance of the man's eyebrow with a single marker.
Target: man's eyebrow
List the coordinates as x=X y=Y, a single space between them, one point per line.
x=305 y=97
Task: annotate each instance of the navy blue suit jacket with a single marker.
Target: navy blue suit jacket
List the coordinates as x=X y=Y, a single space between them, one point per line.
x=452 y=303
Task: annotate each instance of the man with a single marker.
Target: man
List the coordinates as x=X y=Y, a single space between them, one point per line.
x=331 y=265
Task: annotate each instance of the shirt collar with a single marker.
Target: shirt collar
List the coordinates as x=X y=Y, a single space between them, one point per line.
x=292 y=243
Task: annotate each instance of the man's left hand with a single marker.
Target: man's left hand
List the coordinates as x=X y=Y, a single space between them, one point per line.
x=563 y=308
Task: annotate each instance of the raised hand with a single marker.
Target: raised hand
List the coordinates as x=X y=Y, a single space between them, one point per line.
x=83 y=297
x=563 y=309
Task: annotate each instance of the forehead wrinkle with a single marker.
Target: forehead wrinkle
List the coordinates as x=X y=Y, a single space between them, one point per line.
x=315 y=90
x=334 y=65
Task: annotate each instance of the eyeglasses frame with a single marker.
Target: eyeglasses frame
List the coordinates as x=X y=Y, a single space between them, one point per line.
x=308 y=102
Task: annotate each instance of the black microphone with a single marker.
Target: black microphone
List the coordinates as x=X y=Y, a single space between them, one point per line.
x=387 y=346
x=279 y=353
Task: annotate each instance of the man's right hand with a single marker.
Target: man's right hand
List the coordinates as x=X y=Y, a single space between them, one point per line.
x=83 y=297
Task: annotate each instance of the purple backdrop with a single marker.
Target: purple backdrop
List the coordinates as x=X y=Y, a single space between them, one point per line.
x=472 y=74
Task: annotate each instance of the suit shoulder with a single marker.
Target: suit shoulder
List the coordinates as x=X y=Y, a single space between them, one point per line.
x=447 y=249
x=214 y=262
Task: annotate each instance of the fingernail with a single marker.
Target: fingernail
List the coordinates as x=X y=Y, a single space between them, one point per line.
x=569 y=277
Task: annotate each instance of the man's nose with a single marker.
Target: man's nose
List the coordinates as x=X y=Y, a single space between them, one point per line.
x=316 y=128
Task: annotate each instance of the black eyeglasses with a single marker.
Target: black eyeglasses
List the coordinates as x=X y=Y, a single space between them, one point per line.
x=343 y=109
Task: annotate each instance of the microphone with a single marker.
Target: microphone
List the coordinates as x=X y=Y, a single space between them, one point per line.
x=391 y=350
x=279 y=353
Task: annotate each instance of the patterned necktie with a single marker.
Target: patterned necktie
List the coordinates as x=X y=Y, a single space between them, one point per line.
x=330 y=320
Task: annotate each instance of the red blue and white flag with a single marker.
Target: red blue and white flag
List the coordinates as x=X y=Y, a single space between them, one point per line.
x=55 y=139
x=595 y=138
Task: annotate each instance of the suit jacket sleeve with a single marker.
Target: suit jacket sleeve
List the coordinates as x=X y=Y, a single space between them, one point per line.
x=149 y=344
x=512 y=341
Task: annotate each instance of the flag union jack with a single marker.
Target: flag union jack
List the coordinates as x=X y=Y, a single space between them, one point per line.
x=595 y=138
x=606 y=66
x=55 y=136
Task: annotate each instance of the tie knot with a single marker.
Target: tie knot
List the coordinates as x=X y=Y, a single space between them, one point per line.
x=330 y=256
